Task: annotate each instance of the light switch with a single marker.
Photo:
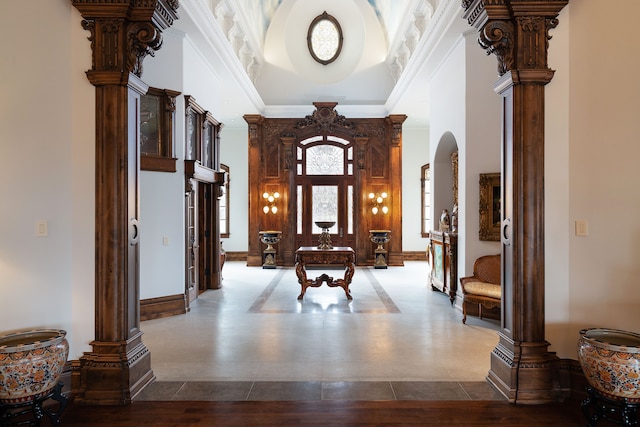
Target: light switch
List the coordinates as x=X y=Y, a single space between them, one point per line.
x=582 y=227
x=165 y=240
x=42 y=229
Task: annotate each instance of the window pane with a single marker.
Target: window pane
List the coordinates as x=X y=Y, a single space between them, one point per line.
x=192 y=136
x=325 y=39
x=350 y=209
x=325 y=206
x=325 y=160
x=150 y=125
x=299 y=216
x=206 y=149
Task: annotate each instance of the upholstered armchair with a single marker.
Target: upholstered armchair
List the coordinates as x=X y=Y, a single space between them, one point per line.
x=484 y=287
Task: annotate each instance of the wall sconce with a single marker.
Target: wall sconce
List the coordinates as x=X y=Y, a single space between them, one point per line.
x=270 y=202
x=378 y=201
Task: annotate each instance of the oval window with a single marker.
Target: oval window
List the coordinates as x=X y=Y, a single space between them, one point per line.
x=324 y=38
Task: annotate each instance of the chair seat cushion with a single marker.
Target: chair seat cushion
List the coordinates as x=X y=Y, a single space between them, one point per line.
x=483 y=289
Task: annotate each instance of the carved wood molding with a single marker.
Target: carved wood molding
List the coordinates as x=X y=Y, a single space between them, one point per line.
x=325 y=119
x=516 y=31
x=124 y=32
x=377 y=161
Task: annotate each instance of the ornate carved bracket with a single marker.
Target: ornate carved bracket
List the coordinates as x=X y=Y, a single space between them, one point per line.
x=124 y=32
x=516 y=31
x=324 y=119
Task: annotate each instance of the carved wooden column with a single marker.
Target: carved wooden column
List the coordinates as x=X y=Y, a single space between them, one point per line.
x=394 y=124
x=122 y=34
x=255 y=122
x=517 y=32
x=289 y=207
x=362 y=184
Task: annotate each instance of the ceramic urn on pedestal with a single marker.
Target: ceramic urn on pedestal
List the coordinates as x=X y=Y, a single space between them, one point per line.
x=31 y=363
x=610 y=360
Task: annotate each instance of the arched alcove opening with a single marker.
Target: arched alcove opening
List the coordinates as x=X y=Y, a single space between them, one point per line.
x=442 y=176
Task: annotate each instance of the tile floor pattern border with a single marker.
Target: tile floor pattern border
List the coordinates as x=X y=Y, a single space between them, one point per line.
x=317 y=390
x=385 y=299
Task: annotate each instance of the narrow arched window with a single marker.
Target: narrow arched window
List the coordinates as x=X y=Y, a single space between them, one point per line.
x=324 y=38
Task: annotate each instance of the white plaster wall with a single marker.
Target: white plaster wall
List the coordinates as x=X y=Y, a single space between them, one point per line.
x=415 y=153
x=234 y=152
x=481 y=152
x=603 y=131
x=162 y=197
x=46 y=172
x=558 y=228
x=447 y=106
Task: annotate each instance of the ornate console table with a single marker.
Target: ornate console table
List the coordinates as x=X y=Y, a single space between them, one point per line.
x=337 y=255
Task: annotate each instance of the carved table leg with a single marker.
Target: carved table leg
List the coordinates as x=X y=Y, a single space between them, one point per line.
x=302 y=277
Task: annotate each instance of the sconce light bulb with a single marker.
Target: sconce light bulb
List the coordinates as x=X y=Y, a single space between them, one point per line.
x=276 y=194
x=265 y=195
x=385 y=209
x=384 y=195
x=274 y=209
x=371 y=195
x=265 y=209
x=270 y=199
x=379 y=199
x=374 y=210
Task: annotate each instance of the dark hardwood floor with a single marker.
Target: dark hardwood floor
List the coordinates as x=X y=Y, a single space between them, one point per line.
x=325 y=413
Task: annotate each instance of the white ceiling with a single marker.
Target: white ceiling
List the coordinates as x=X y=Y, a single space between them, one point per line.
x=259 y=48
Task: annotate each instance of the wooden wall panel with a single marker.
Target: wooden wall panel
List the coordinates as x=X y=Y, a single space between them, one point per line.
x=272 y=154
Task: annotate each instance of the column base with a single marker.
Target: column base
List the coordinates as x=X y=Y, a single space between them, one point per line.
x=115 y=372
x=524 y=372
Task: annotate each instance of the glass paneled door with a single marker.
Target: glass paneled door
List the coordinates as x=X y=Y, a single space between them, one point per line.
x=324 y=190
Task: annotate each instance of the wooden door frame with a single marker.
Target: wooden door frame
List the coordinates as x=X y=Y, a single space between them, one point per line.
x=118 y=367
x=309 y=181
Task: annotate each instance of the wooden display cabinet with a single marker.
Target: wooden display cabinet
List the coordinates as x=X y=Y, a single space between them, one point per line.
x=443 y=261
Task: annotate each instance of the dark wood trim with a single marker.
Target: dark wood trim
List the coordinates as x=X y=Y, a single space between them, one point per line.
x=468 y=413
x=415 y=255
x=167 y=306
x=236 y=256
x=158 y=164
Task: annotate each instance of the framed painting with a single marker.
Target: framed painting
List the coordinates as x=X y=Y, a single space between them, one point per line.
x=490 y=202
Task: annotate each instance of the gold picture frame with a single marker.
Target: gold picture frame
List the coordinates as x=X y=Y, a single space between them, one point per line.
x=490 y=201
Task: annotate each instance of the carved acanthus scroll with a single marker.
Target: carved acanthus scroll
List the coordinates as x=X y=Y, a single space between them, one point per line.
x=497 y=37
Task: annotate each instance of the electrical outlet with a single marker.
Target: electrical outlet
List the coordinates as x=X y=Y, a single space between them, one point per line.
x=582 y=227
x=42 y=229
x=165 y=240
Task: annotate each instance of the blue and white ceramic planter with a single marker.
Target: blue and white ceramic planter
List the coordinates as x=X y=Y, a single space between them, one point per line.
x=31 y=363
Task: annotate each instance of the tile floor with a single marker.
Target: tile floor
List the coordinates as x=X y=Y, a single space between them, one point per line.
x=254 y=340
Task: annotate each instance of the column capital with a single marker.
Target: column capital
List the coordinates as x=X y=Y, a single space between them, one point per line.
x=516 y=31
x=124 y=32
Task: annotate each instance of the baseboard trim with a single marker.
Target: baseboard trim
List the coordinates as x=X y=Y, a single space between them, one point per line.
x=236 y=256
x=155 y=308
x=415 y=255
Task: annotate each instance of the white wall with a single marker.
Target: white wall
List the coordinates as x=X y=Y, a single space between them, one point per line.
x=162 y=267
x=557 y=195
x=415 y=154
x=47 y=172
x=447 y=120
x=482 y=149
x=603 y=110
x=465 y=107
x=234 y=152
